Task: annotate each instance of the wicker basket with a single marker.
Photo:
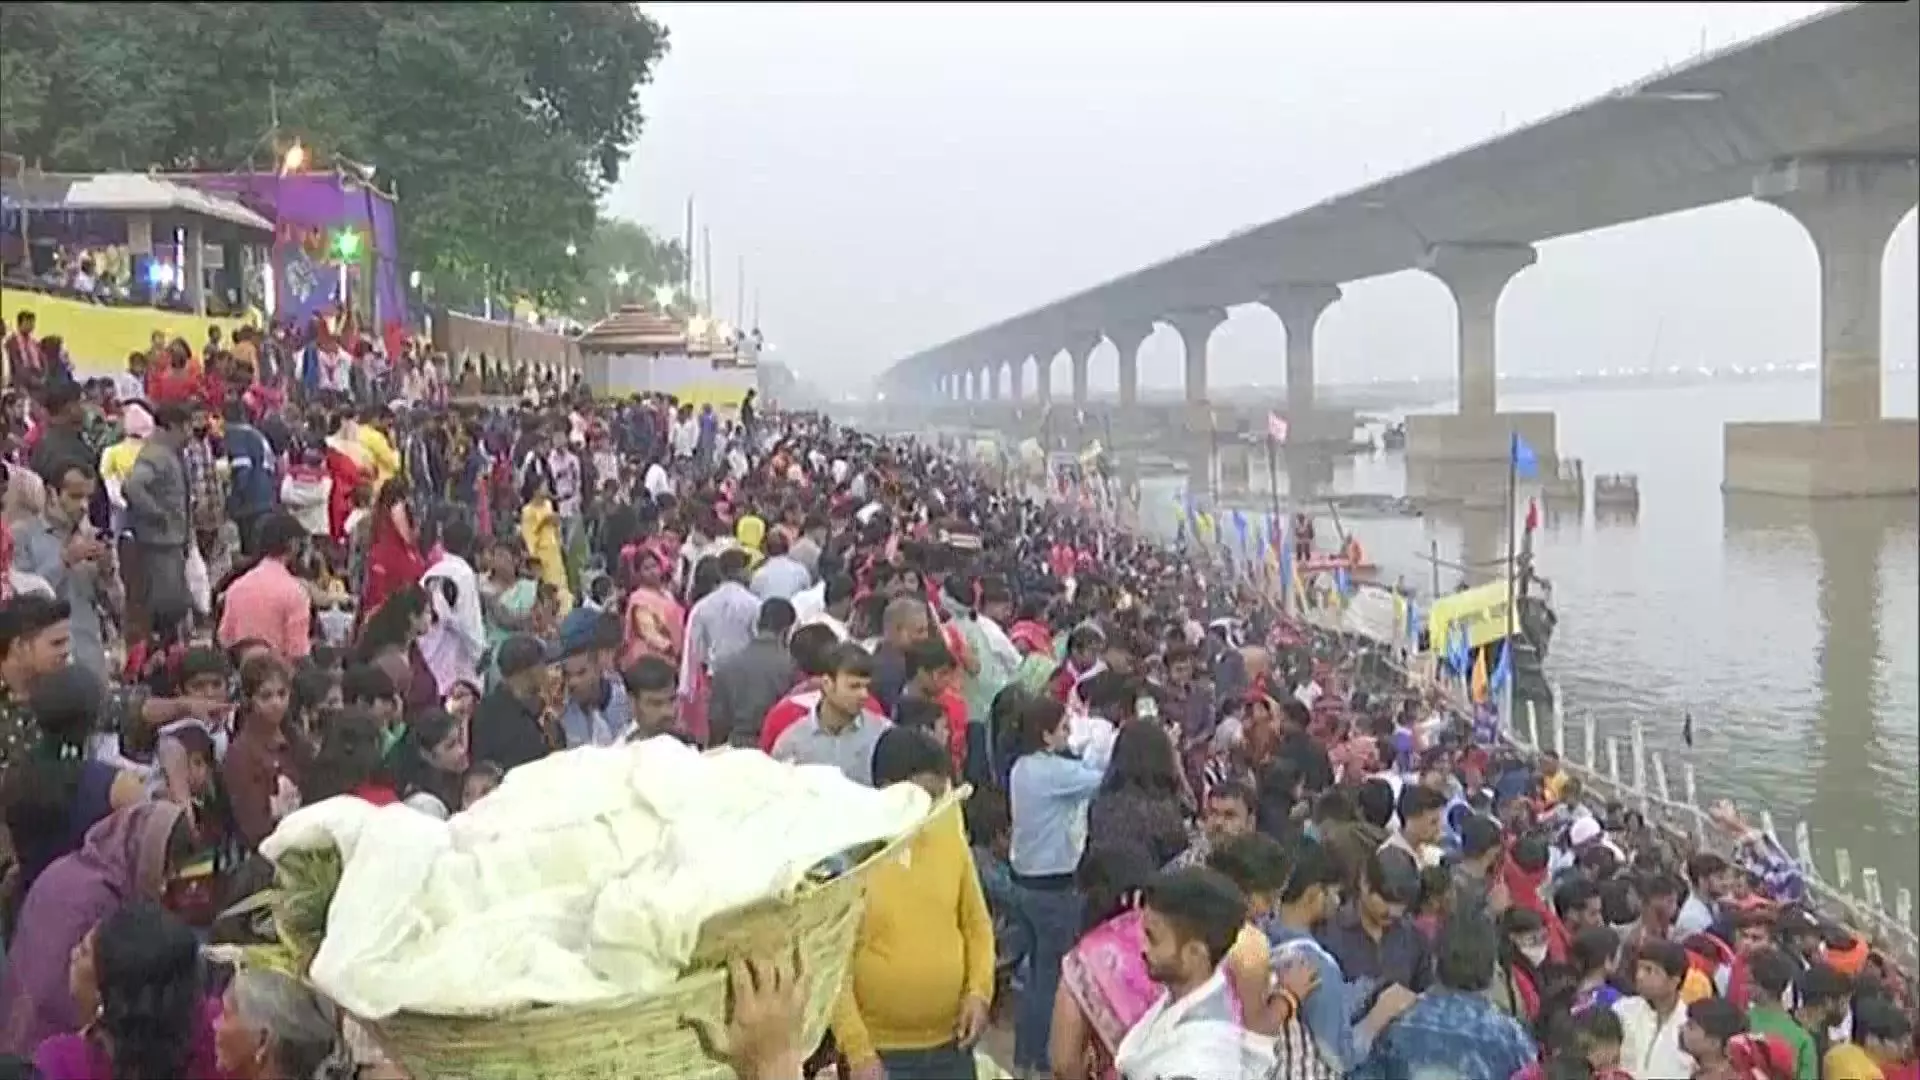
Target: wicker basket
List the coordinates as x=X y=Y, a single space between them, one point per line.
x=678 y=1034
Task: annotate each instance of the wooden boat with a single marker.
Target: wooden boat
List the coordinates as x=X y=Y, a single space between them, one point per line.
x=1616 y=491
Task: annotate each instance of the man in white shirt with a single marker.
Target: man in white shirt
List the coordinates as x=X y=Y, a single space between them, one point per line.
x=1651 y=1021
x=1192 y=918
x=686 y=433
x=827 y=603
x=1110 y=702
x=452 y=646
x=656 y=481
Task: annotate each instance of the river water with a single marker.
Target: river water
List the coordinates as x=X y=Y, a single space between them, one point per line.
x=1790 y=631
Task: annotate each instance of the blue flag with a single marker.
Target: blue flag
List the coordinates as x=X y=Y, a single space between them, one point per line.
x=1240 y=529
x=1342 y=581
x=1459 y=652
x=1286 y=565
x=1503 y=668
x=1525 y=465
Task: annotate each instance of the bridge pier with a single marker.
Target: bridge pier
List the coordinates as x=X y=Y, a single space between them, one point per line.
x=1298 y=307
x=1849 y=207
x=1477 y=276
x=1127 y=339
x=1080 y=355
x=1043 y=376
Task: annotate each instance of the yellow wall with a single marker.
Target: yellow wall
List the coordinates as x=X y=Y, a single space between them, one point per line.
x=98 y=337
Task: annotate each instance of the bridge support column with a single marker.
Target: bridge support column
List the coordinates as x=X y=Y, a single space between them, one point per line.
x=1080 y=355
x=1017 y=379
x=991 y=375
x=1195 y=327
x=1477 y=275
x=1127 y=340
x=1849 y=207
x=1298 y=308
x=1043 y=377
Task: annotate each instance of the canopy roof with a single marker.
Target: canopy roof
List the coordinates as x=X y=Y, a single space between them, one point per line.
x=123 y=192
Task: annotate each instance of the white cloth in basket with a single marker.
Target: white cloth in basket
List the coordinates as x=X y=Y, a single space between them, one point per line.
x=584 y=878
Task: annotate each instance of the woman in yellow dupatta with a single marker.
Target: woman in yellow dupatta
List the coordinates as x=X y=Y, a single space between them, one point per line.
x=750 y=531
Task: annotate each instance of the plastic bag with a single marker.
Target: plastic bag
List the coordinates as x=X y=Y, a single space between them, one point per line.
x=199 y=585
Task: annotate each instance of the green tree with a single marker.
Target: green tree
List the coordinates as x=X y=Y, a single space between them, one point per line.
x=618 y=251
x=498 y=124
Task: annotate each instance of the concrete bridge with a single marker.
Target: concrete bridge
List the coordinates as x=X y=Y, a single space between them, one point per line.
x=1821 y=119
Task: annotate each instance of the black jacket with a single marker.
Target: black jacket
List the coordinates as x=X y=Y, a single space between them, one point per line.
x=505 y=731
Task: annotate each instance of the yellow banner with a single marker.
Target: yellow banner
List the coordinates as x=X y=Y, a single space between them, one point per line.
x=1481 y=609
x=98 y=337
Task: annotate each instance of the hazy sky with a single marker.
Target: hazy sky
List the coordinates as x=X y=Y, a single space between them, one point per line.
x=897 y=174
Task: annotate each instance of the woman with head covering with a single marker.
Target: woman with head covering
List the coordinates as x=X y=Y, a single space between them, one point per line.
x=750 y=531
x=137 y=978
x=656 y=623
x=273 y=1028
x=23 y=498
x=130 y=855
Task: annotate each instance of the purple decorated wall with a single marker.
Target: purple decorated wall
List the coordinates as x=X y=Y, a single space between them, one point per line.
x=307 y=210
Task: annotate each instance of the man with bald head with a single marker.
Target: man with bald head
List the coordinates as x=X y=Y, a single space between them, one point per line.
x=905 y=620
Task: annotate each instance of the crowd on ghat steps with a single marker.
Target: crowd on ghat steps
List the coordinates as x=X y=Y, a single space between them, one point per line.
x=1201 y=841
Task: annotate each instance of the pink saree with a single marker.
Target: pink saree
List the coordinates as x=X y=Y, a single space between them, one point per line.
x=656 y=626
x=1107 y=975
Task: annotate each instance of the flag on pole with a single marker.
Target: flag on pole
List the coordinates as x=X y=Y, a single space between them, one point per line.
x=1525 y=464
x=1285 y=556
x=1477 y=685
x=1503 y=668
x=1276 y=427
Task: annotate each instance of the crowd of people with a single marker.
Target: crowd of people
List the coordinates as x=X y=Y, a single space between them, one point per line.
x=1201 y=841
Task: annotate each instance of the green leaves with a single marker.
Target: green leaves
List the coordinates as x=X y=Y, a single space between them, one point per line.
x=499 y=124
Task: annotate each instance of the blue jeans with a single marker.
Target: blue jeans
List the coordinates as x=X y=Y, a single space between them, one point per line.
x=947 y=1062
x=1053 y=916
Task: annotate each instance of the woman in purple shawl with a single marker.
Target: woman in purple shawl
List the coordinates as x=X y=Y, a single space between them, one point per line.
x=129 y=855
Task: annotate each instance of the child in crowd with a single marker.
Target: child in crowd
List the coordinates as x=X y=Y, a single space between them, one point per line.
x=204 y=675
x=479 y=782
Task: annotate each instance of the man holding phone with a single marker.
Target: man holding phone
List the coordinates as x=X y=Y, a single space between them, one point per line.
x=62 y=546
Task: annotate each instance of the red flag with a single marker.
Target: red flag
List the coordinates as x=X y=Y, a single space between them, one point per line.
x=1533 y=515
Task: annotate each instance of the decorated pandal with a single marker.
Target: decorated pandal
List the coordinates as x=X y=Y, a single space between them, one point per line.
x=645 y=348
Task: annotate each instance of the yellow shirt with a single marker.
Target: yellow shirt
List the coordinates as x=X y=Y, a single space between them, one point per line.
x=116 y=462
x=926 y=942
x=386 y=460
x=1848 y=1061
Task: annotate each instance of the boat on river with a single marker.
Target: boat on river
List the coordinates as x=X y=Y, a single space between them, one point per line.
x=1616 y=491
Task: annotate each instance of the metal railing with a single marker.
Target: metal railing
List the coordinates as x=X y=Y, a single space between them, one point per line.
x=1645 y=783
